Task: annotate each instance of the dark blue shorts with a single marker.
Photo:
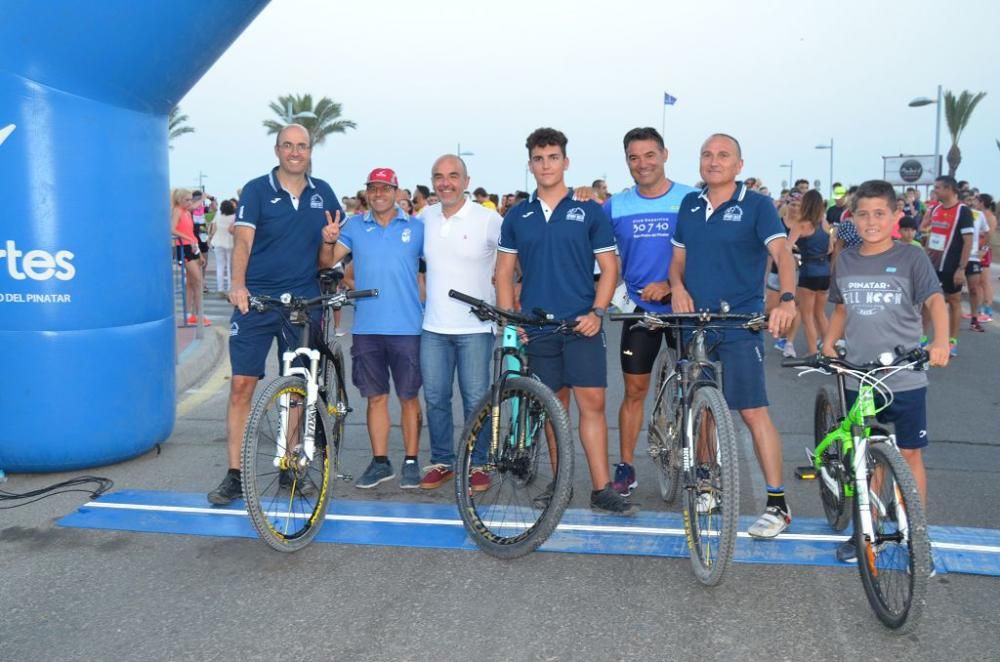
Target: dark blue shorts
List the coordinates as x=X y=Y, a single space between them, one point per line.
x=907 y=413
x=743 y=383
x=560 y=360
x=251 y=335
x=373 y=357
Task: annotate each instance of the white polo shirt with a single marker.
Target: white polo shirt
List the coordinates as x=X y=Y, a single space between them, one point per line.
x=460 y=252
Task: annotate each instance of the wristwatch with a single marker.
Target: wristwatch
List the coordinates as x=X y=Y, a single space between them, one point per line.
x=787 y=296
x=598 y=311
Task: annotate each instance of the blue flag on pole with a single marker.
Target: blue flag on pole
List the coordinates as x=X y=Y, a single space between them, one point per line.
x=668 y=100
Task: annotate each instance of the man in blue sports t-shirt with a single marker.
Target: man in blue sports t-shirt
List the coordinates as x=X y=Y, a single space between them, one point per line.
x=643 y=218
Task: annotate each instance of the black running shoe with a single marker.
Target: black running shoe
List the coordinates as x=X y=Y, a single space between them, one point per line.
x=542 y=500
x=305 y=487
x=229 y=490
x=610 y=502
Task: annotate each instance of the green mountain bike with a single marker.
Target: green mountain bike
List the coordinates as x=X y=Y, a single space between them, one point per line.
x=863 y=477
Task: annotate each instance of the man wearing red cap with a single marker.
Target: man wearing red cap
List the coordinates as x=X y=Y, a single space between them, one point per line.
x=387 y=245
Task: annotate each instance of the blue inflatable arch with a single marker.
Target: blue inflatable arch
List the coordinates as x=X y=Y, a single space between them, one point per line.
x=86 y=321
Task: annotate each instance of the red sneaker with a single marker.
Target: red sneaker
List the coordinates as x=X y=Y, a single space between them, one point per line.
x=479 y=481
x=436 y=475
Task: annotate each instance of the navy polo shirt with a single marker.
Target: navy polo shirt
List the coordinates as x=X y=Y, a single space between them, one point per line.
x=557 y=255
x=386 y=259
x=286 y=242
x=727 y=248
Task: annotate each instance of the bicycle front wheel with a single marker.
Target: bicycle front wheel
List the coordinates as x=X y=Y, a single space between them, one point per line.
x=664 y=428
x=836 y=504
x=895 y=565
x=712 y=495
x=512 y=489
x=286 y=493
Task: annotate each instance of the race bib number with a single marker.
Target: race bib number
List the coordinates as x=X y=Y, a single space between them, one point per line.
x=936 y=242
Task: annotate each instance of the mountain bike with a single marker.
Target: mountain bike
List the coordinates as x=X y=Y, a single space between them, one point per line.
x=519 y=442
x=862 y=476
x=692 y=440
x=292 y=441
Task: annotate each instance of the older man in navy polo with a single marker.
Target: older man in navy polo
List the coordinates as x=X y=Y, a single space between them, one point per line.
x=387 y=244
x=723 y=237
x=285 y=218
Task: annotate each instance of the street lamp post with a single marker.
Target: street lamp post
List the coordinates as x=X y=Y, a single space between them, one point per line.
x=791 y=172
x=460 y=153
x=924 y=101
x=290 y=117
x=829 y=147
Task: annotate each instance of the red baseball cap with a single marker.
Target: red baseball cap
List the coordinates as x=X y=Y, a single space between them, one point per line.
x=383 y=176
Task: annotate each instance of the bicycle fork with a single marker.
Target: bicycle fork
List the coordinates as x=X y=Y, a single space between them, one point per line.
x=284 y=456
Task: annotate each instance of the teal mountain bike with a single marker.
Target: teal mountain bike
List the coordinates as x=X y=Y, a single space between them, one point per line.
x=514 y=470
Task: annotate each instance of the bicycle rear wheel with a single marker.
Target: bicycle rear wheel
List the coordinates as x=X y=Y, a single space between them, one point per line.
x=836 y=504
x=712 y=495
x=286 y=494
x=895 y=565
x=529 y=476
x=664 y=430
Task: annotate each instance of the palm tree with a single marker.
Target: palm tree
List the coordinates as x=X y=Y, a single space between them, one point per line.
x=176 y=124
x=957 y=111
x=325 y=122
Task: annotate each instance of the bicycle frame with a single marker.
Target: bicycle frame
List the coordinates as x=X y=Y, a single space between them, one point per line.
x=509 y=360
x=309 y=374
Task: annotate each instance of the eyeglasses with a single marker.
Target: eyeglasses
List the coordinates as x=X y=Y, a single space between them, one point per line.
x=380 y=189
x=300 y=147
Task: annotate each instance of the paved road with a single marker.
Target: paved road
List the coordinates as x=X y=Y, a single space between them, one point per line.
x=71 y=594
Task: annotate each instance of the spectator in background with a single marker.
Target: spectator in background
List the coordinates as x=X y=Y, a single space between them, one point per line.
x=182 y=229
x=221 y=238
x=406 y=205
x=811 y=234
x=839 y=206
x=600 y=190
x=483 y=198
x=420 y=195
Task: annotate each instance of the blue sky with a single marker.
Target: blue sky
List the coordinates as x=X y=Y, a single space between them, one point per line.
x=421 y=77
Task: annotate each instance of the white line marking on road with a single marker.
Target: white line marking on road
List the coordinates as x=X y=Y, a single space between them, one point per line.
x=588 y=528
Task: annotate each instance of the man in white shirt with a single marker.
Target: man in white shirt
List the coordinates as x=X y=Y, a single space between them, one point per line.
x=460 y=246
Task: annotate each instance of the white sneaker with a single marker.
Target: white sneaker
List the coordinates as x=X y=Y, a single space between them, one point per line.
x=707 y=503
x=771 y=523
x=789 y=351
x=339 y=333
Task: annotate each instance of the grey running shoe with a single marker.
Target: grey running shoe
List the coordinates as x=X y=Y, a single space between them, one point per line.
x=847 y=551
x=229 y=490
x=410 y=478
x=376 y=473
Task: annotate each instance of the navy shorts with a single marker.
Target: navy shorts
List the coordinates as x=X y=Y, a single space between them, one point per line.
x=251 y=335
x=907 y=413
x=374 y=357
x=569 y=360
x=743 y=383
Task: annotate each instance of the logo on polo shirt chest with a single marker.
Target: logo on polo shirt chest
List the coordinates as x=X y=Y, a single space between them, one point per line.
x=576 y=214
x=316 y=201
x=406 y=236
x=734 y=213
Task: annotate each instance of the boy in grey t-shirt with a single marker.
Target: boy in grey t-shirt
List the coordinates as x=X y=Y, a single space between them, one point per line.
x=879 y=289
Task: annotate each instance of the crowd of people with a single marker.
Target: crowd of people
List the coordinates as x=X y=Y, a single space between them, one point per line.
x=665 y=245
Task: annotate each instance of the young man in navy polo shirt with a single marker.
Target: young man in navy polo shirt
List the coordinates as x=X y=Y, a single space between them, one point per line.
x=285 y=217
x=723 y=237
x=556 y=239
x=387 y=244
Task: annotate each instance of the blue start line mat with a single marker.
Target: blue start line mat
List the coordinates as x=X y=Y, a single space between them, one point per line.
x=809 y=541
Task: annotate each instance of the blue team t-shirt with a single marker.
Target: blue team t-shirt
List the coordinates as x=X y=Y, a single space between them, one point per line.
x=386 y=258
x=726 y=253
x=557 y=255
x=643 y=228
x=286 y=242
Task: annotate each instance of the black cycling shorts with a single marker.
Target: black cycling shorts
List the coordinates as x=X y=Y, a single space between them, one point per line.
x=639 y=347
x=814 y=283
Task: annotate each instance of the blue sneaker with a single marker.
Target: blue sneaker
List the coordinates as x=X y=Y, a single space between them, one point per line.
x=625 y=480
x=779 y=344
x=376 y=473
x=410 y=476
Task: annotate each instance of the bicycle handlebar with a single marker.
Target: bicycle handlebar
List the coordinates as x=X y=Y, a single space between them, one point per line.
x=262 y=302
x=486 y=311
x=753 y=321
x=916 y=355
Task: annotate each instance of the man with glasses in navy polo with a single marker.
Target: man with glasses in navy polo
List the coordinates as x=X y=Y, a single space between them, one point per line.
x=285 y=218
x=723 y=237
x=556 y=239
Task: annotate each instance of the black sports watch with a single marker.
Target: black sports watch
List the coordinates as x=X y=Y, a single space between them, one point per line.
x=598 y=311
x=787 y=296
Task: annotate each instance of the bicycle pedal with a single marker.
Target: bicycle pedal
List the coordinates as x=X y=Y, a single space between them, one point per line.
x=345 y=477
x=805 y=473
